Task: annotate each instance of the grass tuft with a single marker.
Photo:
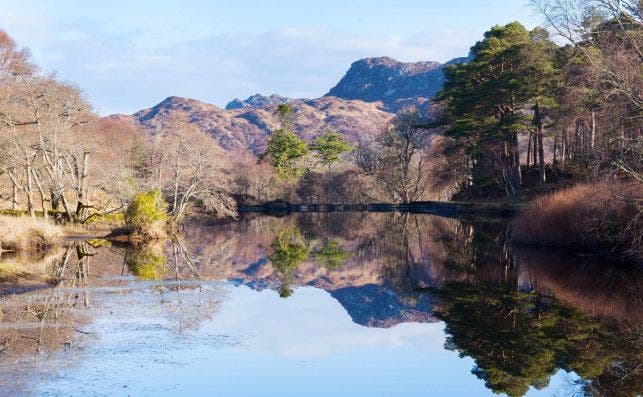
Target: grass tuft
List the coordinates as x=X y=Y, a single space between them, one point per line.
x=27 y=234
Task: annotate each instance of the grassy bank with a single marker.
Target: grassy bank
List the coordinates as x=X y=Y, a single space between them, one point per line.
x=602 y=218
x=27 y=234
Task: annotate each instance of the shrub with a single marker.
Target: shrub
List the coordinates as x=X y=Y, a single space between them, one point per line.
x=146 y=215
x=21 y=233
x=599 y=217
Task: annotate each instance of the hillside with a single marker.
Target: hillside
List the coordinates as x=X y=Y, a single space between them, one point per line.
x=247 y=128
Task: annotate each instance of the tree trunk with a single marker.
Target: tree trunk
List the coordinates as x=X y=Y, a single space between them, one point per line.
x=177 y=177
x=593 y=133
x=529 y=149
x=564 y=150
x=55 y=201
x=554 y=160
x=538 y=121
x=515 y=165
x=81 y=206
x=14 y=195
x=41 y=192
x=29 y=191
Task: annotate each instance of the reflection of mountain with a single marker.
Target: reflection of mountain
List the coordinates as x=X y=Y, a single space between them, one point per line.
x=400 y=254
x=522 y=315
x=371 y=305
x=377 y=306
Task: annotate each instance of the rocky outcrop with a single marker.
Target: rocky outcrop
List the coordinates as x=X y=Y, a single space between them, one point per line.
x=258 y=101
x=396 y=84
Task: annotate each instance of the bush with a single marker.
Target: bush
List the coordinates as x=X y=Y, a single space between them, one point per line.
x=146 y=215
x=21 y=233
x=599 y=217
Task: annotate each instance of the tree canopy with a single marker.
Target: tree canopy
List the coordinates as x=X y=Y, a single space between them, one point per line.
x=329 y=147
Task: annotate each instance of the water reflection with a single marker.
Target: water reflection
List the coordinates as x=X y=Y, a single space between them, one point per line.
x=521 y=314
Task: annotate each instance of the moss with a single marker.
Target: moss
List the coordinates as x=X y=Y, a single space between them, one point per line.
x=98 y=242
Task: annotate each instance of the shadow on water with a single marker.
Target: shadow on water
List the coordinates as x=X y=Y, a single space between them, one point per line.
x=522 y=314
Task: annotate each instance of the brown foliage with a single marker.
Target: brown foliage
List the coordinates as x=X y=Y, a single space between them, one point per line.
x=604 y=217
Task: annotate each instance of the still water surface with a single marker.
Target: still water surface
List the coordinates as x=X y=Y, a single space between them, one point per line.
x=326 y=304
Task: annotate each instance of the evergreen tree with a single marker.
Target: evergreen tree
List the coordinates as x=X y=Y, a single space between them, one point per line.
x=285 y=147
x=484 y=103
x=329 y=148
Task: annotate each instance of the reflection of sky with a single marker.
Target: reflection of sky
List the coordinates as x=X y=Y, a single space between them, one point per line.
x=260 y=345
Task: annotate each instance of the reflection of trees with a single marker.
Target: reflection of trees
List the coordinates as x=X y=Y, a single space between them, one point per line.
x=500 y=307
x=147 y=261
x=347 y=225
x=38 y=324
x=331 y=254
x=289 y=250
x=520 y=339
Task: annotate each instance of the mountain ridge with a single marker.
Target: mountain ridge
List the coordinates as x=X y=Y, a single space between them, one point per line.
x=358 y=106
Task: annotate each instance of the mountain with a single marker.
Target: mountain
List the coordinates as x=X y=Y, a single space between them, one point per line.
x=358 y=106
x=247 y=127
x=258 y=100
x=396 y=84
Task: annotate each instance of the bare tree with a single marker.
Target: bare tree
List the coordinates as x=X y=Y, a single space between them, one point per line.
x=191 y=167
x=397 y=158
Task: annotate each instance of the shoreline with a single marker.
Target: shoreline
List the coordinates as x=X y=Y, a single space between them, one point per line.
x=449 y=209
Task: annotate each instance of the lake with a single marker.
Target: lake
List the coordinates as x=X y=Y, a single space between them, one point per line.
x=377 y=304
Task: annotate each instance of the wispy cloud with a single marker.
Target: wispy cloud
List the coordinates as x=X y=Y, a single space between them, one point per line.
x=122 y=72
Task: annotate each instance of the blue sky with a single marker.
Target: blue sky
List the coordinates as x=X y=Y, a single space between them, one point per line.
x=129 y=55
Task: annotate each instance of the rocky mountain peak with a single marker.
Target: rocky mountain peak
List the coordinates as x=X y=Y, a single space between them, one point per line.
x=397 y=84
x=257 y=101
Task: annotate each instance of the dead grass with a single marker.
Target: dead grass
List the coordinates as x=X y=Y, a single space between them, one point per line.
x=27 y=234
x=604 y=217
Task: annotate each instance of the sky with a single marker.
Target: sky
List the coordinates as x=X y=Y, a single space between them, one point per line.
x=129 y=55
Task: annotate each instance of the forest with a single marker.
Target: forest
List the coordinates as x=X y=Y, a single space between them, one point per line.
x=549 y=118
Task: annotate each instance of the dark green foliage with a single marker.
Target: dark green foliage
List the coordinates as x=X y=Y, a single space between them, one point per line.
x=483 y=102
x=289 y=250
x=285 y=147
x=521 y=339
